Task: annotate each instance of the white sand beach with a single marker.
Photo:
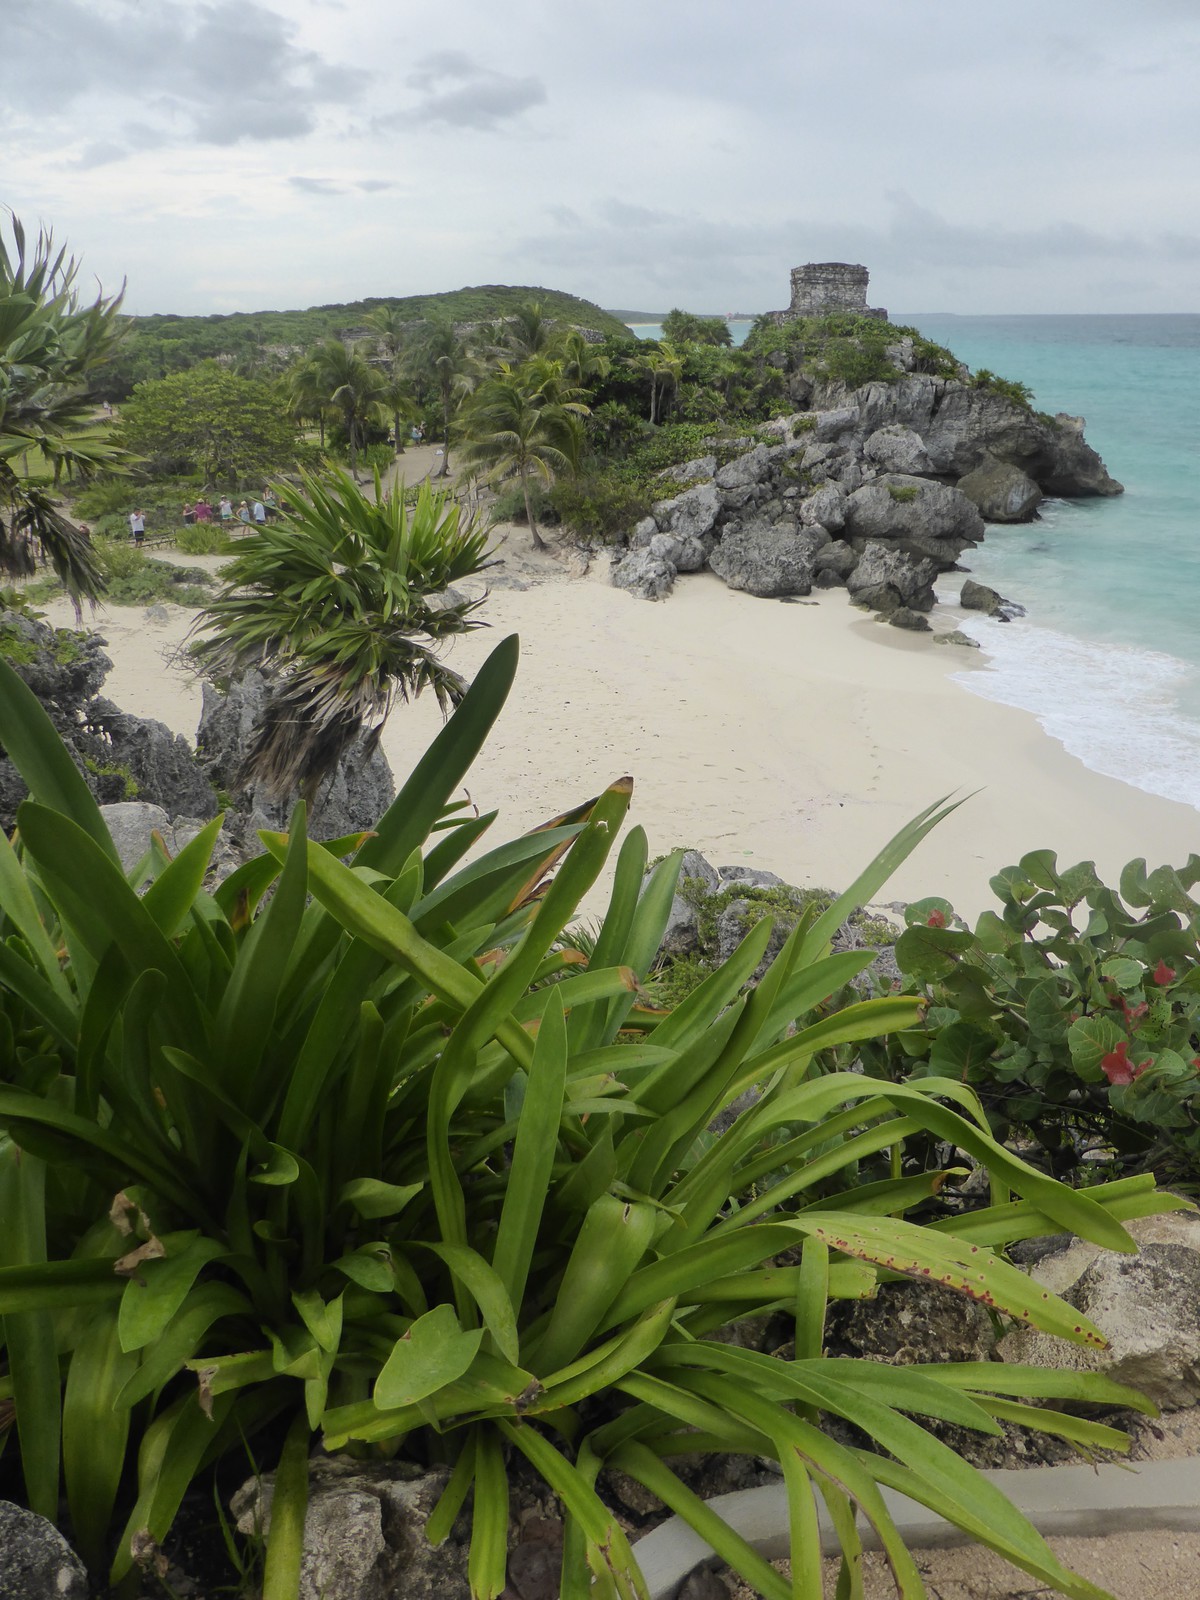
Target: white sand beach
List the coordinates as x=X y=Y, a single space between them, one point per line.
x=796 y=737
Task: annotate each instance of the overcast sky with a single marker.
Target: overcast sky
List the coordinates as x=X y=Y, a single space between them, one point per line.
x=976 y=155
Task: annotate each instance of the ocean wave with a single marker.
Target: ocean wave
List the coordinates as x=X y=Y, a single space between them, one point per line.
x=1116 y=707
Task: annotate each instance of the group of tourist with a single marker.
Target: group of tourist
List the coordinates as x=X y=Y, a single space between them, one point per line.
x=250 y=513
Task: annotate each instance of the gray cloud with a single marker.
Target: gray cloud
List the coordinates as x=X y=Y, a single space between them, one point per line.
x=324 y=186
x=219 y=72
x=455 y=90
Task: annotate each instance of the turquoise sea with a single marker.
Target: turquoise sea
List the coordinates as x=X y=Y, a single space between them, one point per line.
x=1108 y=655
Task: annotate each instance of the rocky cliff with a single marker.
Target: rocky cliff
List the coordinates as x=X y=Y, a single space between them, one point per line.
x=877 y=488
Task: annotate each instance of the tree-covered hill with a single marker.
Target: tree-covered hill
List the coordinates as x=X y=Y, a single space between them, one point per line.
x=267 y=341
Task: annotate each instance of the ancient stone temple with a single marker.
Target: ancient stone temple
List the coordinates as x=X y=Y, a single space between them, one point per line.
x=824 y=287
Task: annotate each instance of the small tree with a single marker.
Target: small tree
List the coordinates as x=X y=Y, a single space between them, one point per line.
x=210 y=421
x=524 y=422
x=441 y=357
x=685 y=327
x=341 y=601
x=352 y=388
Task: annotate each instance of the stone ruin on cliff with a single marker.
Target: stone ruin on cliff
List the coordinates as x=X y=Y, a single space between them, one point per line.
x=823 y=288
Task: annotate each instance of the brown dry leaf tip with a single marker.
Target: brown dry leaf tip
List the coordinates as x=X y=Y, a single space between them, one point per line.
x=161 y=843
x=204 y=1394
x=120 y=1212
x=145 y=1550
x=153 y=1250
x=160 y=1099
x=527 y=1396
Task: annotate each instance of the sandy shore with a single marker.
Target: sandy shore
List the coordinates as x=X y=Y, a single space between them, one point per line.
x=792 y=736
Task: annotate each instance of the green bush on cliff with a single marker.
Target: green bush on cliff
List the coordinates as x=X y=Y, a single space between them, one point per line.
x=393 y=1169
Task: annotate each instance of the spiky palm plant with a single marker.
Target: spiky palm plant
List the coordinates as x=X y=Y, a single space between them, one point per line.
x=50 y=347
x=343 y=603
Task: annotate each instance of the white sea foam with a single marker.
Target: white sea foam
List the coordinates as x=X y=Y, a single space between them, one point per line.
x=1115 y=707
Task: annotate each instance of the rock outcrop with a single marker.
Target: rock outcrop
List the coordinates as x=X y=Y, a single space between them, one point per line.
x=918 y=465
x=36 y=1562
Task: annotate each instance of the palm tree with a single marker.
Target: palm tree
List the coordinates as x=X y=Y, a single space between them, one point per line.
x=303 y=395
x=441 y=356
x=352 y=388
x=581 y=361
x=524 y=421
x=394 y=332
x=530 y=332
x=343 y=603
x=51 y=346
x=664 y=364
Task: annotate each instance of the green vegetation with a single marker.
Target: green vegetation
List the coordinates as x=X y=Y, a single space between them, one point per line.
x=685 y=327
x=1019 y=393
x=394 y=1170
x=344 y=601
x=1074 y=1013
x=903 y=493
x=264 y=343
x=209 y=421
x=132 y=578
x=114 y=769
x=52 y=347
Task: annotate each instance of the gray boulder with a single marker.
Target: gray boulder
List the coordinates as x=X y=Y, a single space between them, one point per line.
x=750 y=468
x=36 y=1562
x=1002 y=492
x=692 y=471
x=979 y=597
x=768 y=562
x=834 y=562
x=643 y=532
x=911 y=621
x=826 y=508
x=364 y=1532
x=886 y=578
x=682 y=933
x=690 y=515
x=924 y=518
x=645 y=574
x=131 y=822
x=160 y=762
x=351 y=799
x=835 y=424
x=961 y=424
x=1146 y=1305
x=895 y=448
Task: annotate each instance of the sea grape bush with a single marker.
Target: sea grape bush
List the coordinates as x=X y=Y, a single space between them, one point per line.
x=1074 y=1012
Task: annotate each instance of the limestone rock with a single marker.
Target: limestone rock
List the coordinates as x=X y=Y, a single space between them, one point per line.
x=957 y=636
x=160 y=762
x=696 y=471
x=643 y=532
x=825 y=508
x=364 y=1532
x=351 y=799
x=1002 y=492
x=906 y=1323
x=895 y=448
x=747 y=469
x=1147 y=1306
x=835 y=424
x=912 y=621
x=979 y=597
x=36 y=1562
x=768 y=562
x=834 y=562
x=886 y=578
x=682 y=933
x=927 y=519
x=644 y=574
x=690 y=515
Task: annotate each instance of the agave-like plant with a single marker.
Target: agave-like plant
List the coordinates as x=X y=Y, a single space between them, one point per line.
x=343 y=601
x=50 y=346
x=376 y=1157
